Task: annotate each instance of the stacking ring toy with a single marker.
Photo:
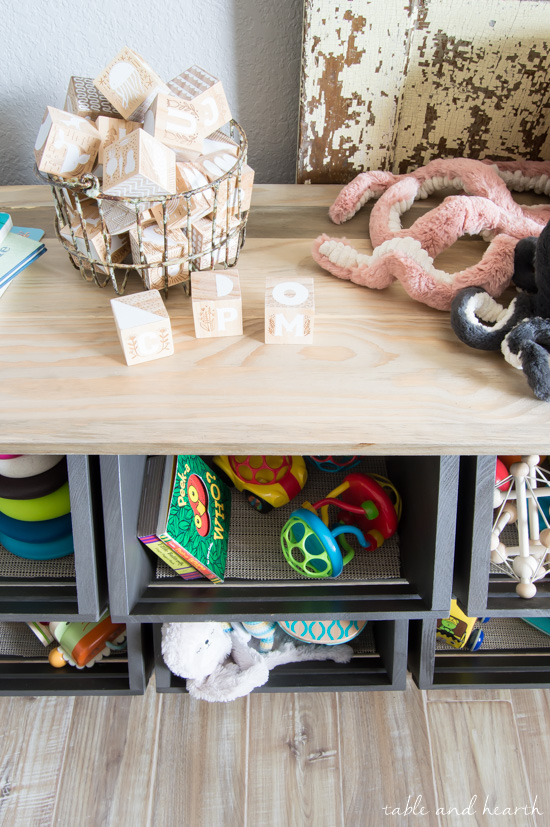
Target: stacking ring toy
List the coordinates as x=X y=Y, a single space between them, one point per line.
x=39 y=551
x=41 y=531
x=42 y=508
x=27 y=488
x=310 y=547
x=327 y=632
x=28 y=465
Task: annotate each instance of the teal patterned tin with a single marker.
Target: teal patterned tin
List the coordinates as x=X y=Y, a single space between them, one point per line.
x=329 y=632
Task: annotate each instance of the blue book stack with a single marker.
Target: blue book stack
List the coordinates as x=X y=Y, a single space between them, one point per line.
x=19 y=247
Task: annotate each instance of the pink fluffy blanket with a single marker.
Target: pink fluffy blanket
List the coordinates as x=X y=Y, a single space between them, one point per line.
x=486 y=208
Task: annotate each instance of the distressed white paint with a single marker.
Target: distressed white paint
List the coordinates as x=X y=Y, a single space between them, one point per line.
x=391 y=85
x=369 y=82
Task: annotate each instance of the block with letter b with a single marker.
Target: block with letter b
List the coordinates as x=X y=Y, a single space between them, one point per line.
x=289 y=311
x=217 y=303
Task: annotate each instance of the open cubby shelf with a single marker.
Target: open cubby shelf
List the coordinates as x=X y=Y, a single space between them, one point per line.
x=379 y=662
x=481 y=588
x=71 y=588
x=513 y=655
x=25 y=670
x=411 y=577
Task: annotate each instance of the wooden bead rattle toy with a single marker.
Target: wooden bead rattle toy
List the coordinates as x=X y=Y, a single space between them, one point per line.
x=310 y=547
x=517 y=497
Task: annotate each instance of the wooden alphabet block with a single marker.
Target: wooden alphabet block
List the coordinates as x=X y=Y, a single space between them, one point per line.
x=229 y=197
x=119 y=245
x=187 y=178
x=207 y=95
x=120 y=218
x=66 y=145
x=143 y=327
x=112 y=129
x=218 y=141
x=289 y=311
x=139 y=166
x=153 y=249
x=217 y=303
x=130 y=84
x=175 y=122
x=85 y=100
x=202 y=241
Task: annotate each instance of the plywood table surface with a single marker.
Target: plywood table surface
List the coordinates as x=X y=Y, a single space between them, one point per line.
x=385 y=374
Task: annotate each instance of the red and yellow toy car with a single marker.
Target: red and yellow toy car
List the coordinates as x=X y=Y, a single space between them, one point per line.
x=267 y=482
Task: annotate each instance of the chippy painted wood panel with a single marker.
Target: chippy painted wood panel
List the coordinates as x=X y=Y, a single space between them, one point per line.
x=354 y=56
x=391 y=85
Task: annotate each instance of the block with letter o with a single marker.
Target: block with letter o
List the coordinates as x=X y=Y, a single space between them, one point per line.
x=289 y=311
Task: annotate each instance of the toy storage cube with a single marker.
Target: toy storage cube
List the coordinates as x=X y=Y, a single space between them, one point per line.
x=25 y=670
x=481 y=589
x=71 y=588
x=514 y=655
x=408 y=576
x=379 y=662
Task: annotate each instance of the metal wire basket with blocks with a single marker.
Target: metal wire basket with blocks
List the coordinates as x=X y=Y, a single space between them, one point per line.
x=164 y=237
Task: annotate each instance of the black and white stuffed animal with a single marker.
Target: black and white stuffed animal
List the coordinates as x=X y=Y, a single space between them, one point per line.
x=521 y=330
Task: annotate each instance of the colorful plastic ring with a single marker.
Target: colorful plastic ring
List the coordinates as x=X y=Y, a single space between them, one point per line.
x=39 y=551
x=325 y=537
x=28 y=465
x=42 y=508
x=29 y=488
x=41 y=531
x=10 y=456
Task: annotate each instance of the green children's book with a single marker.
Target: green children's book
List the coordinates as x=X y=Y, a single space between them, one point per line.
x=184 y=516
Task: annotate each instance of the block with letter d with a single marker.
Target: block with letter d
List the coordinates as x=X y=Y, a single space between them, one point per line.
x=289 y=311
x=217 y=303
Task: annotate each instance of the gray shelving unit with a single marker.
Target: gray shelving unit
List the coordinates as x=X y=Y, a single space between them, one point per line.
x=379 y=663
x=411 y=579
x=72 y=588
x=480 y=589
x=25 y=670
x=514 y=655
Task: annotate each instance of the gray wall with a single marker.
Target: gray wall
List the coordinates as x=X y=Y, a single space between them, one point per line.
x=253 y=46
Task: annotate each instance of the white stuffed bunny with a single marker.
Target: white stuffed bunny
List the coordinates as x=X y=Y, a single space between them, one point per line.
x=221 y=660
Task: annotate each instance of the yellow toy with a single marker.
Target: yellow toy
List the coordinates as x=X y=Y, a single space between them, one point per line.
x=456 y=629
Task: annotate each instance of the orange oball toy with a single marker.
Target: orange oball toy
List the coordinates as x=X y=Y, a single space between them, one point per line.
x=508 y=461
x=56 y=659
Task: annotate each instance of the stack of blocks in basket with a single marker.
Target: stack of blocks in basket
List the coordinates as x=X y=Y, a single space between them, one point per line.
x=143 y=327
x=144 y=138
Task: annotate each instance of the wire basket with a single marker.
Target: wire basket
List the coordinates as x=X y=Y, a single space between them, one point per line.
x=102 y=264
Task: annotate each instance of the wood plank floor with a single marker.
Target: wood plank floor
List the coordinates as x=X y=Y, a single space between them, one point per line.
x=316 y=759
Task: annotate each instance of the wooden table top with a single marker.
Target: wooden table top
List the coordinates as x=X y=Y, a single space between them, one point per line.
x=385 y=374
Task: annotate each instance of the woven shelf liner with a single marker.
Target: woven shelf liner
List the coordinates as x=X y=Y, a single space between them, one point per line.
x=17 y=640
x=254 y=548
x=364 y=644
x=503 y=634
x=15 y=567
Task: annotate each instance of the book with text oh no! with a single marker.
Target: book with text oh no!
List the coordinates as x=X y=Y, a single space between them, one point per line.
x=184 y=516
